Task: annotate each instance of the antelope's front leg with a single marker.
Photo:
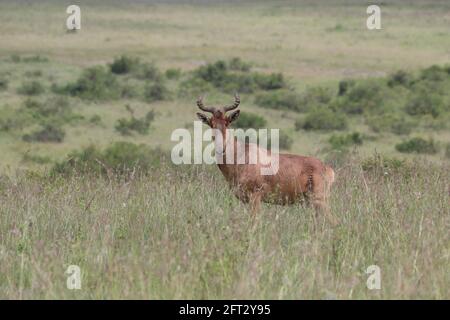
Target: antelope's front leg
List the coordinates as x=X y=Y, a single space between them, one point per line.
x=255 y=203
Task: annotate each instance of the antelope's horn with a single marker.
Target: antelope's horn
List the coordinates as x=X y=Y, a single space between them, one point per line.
x=202 y=106
x=236 y=103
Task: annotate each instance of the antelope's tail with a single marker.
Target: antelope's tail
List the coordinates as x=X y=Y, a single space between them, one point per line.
x=329 y=173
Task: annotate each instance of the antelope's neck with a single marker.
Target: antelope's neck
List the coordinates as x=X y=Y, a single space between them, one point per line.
x=227 y=165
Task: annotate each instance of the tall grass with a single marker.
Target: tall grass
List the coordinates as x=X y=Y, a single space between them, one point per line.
x=145 y=237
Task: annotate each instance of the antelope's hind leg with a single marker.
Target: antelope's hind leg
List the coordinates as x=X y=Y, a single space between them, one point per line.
x=319 y=198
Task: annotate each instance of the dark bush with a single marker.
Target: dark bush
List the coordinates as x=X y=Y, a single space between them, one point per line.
x=249 y=120
x=141 y=126
x=173 y=73
x=243 y=83
x=215 y=73
x=316 y=96
x=322 y=119
x=235 y=76
x=95 y=83
x=434 y=74
x=401 y=78
x=3 y=84
x=237 y=64
x=423 y=102
x=156 y=92
x=280 y=100
x=55 y=110
x=124 y=64
x=148 y=71
x=119 y=158
x=49 y=133
x=364 y=95
x=271 y=81
x=193 y=88
x=31 y=88
x=344 y=86
x=417 y=145
x=385 y=166
x=341 y=141
x=394 y=123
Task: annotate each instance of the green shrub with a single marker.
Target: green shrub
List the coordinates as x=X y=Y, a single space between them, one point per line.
x=385 y=166
x=434 y=74
x=156 y=92
x=322 y=119
x=95 y=83
x=173 y=73
x=128 y=91
x=3 y=84
x=237 y=64
x=141 y=126
x=149 y=71
x=235 y=76
x=118 y=158
x=49 y=133
x=280 y=100
x=31 y=88
x=56 y=110
x=417 y=145
x=34 y=73
x=248 y=120
x=341 y=141
x=394 y=123
x=193 y=88
x=243 y=83
x=124 y=64
x=34 y=59
x=423 y=102
x=271 y=81
x=215 y=73
x=447 y=150
x=344 y=86
x=15 y=58
x=401 y=78
x=285 y=141
x=95 y=119
x=364 y=95
x=317 y=96
x=402 y=127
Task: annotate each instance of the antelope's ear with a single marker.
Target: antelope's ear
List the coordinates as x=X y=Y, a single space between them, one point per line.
x=203 y=118
x=234 y=116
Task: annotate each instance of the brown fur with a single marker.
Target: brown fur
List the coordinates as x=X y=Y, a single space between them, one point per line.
x=299 y=178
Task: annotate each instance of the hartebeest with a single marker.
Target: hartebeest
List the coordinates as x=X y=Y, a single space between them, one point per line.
x=298 y=179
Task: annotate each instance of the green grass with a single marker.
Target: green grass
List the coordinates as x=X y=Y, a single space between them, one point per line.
x=146 y=238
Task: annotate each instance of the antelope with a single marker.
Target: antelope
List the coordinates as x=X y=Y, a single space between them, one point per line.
x=299 y=179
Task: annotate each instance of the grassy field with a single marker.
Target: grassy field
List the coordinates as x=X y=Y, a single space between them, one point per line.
x=177 y=232
x=146 y=238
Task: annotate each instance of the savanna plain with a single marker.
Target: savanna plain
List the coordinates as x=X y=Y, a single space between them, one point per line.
x=86 y=177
